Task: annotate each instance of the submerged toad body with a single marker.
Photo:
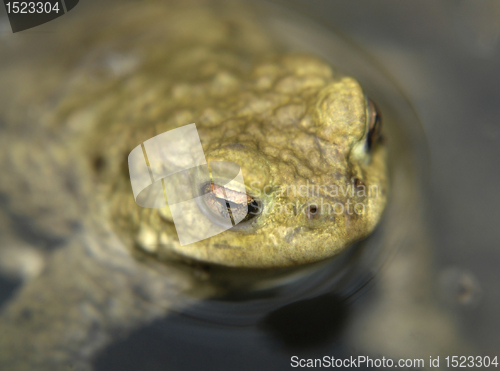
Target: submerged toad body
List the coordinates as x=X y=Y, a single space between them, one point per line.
x=305 y=137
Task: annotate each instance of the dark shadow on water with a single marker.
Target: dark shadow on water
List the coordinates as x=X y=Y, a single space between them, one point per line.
x=307 y=323
x=310 y=328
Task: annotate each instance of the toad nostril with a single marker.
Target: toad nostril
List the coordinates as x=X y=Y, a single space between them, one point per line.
x=312 y=211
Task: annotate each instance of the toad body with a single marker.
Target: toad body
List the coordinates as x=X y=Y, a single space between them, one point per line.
x=304 y=135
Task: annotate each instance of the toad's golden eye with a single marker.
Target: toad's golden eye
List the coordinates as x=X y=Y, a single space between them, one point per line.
x=226 y=203
x=374 y=124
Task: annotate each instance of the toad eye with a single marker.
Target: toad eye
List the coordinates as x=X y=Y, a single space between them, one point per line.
x=374 y=124
x=227 y=203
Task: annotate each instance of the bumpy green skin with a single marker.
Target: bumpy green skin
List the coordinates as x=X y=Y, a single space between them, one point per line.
x=293 y=125
x=288 y=120
x=297 y=128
